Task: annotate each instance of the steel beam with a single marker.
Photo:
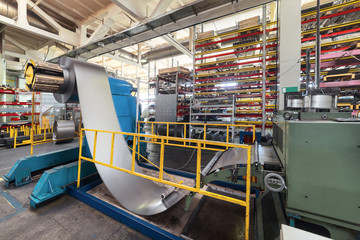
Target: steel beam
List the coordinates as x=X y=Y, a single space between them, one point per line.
x=177 y=45
x=21 y=23
x=136 y=9
x=160 y=8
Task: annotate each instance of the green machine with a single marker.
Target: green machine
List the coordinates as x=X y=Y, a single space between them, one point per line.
x=319 y=148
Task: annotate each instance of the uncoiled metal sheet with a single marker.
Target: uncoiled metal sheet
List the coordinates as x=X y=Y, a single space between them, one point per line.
x=139 y=195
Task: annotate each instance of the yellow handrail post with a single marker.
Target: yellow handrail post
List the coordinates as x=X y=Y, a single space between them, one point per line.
x=162 y=150
x=152 y=131
x=254 y=133
x=185 y=125
x=248 y=179
x=79 y=163
x=204 y=132
x=16 y=133
x=167 y=132
x=31 y=142
x=44 y=134
x=227 y=135
x=32 y=124
x=133 y=154
x=138 y=149
x=95 y=141
x=198 y=166
x=80 y=119
x=112 y=149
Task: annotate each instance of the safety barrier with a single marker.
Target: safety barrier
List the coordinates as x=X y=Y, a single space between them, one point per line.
x=166 y=141
x=203 y=127
x=41 y=132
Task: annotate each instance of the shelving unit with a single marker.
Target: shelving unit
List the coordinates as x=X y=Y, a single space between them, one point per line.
x=232 y=73
x=15 y=108
x=236 y=62
x=340 y=34
x=340 y=50
x=173 y=92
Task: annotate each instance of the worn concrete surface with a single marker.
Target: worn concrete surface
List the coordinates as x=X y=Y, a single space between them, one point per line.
x=69 y=218
x=65 y=218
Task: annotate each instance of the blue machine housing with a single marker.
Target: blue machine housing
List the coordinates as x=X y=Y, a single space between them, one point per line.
x=125 y=103
x=52 y=182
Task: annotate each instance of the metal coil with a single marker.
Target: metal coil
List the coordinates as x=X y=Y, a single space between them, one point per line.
x=307 y=101
x=174 y=130
x=44 y=77
x=297 y=103
x=64 y=131
x=321 y=101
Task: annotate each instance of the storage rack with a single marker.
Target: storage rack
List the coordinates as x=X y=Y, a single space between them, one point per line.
x=12 y=109
x=230 y=64
x=340 y=50
x=340 y=34
x=174 y=84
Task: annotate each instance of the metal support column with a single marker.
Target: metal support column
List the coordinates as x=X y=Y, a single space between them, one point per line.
x=193 y=76
x=263 y=92
x=2 y=67
x=308 y=66
x=233 y=119
x=289 y=48
x=317 y=46
x=177 y=96
x=137 y=105
x=148 y=90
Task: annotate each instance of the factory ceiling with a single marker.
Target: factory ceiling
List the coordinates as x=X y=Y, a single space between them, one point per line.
x=44 y=29
x=47 y=29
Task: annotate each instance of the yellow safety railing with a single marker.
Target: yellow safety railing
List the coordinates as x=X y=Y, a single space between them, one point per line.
x=36 y=129
x=229 y=128
x=164 y=141
x=39 y=131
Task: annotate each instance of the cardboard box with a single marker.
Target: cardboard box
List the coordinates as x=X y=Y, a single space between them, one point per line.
x=206 y=34
x=173 y=69
x=250 y=22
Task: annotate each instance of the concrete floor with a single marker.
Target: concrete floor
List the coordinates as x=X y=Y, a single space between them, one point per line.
x=65 y=218
x=69 y=218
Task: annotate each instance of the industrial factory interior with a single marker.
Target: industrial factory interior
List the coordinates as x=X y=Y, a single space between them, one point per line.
x=180 y=119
